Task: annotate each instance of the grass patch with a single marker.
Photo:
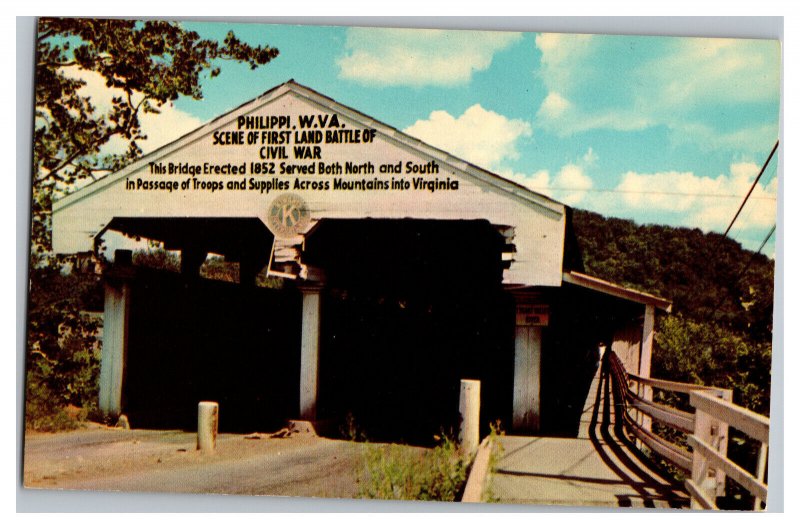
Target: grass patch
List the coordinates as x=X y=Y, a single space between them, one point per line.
x=396 y=472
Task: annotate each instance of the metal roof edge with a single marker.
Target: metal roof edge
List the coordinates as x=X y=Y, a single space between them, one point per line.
x=612 y=289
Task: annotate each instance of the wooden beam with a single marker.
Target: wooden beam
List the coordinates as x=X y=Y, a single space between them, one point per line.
x=645 y=356
x=671 y=417
x=473 y=491
x=647 y=341
x=699 y=496
x=675 y=454
x=679 y=387
x=734 y=471
x=527 y=379
x=749 y=422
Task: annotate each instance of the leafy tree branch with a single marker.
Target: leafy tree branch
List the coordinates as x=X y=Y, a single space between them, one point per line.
x=150 y=63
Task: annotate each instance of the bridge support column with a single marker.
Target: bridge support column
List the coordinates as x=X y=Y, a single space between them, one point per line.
x=644 y=360
x=115 y=333
x=527 y=402
x=527 y=379
x=309 y=351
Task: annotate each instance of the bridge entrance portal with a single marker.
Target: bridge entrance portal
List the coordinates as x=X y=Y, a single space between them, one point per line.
x=410 y=308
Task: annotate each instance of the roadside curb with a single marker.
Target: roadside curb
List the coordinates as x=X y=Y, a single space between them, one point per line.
x=476 y=482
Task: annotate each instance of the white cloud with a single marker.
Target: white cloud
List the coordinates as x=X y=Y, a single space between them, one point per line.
x=560 y=46
x=570 y=184
x=694 y=87
x=590 y=157
x=165 y=127
x=480 y=136
x=702 y=201
x=553 y=106
x=402 y=57
x=667 y=197
x=538 y=181
x=707 y=70
x=160 y=129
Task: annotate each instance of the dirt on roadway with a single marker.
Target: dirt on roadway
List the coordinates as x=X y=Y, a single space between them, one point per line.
x=100 y=458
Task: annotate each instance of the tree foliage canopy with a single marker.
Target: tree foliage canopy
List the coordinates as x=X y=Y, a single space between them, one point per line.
x=708 y=277
x=148 y=64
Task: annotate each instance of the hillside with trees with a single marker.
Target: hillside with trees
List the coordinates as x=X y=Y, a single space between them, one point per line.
x=720 y=329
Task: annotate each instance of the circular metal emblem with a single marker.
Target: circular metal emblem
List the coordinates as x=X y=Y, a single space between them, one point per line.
x=287 y=215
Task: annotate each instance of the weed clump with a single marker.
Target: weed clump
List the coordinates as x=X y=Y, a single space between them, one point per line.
x=496 y=432
x=398 y=472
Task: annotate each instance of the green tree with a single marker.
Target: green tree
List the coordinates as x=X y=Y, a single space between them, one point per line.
x=708 y=354
x=63 y=350
x=150 y=64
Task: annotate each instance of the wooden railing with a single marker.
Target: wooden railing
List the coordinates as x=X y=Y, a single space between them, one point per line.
x=708 y=459
x=706 y=430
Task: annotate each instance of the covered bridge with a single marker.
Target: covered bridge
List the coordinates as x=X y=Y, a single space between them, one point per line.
x=404 y=269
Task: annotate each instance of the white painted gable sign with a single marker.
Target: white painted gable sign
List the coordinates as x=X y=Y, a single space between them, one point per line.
x=293 y=157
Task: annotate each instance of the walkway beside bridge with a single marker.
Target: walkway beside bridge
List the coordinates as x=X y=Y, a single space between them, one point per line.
x=599 y=468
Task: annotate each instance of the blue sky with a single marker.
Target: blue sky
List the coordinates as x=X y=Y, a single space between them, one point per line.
x=655 y=129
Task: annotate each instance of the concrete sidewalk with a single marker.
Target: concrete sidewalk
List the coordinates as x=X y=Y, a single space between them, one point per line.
x=578 y=472
x=595 y=469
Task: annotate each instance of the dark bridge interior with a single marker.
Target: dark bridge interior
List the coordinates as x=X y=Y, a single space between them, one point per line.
x=193 y=340
x=580 y=321
x=412 y=308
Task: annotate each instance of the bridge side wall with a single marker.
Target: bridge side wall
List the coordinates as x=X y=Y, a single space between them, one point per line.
x=627 y=345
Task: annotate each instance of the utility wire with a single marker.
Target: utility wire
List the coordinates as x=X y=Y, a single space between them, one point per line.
x=745 y=268
x=748 y=212
x=763 y=167
x=719 y=241
x=646 y=192
x=749 y=192
x=765 y=241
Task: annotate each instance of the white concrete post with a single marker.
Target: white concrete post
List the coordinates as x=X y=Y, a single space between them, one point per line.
x=115 y=346
x=527 y=402
x=469 y=408
x=207 y=425
x=309 y=352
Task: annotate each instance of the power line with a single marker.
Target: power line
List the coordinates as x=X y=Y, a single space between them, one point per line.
x=721 y=239
x=765 y=241
x=648 y=192
x=748 y=212
x=764 y=196
x=763 y=167
x=743 y=270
